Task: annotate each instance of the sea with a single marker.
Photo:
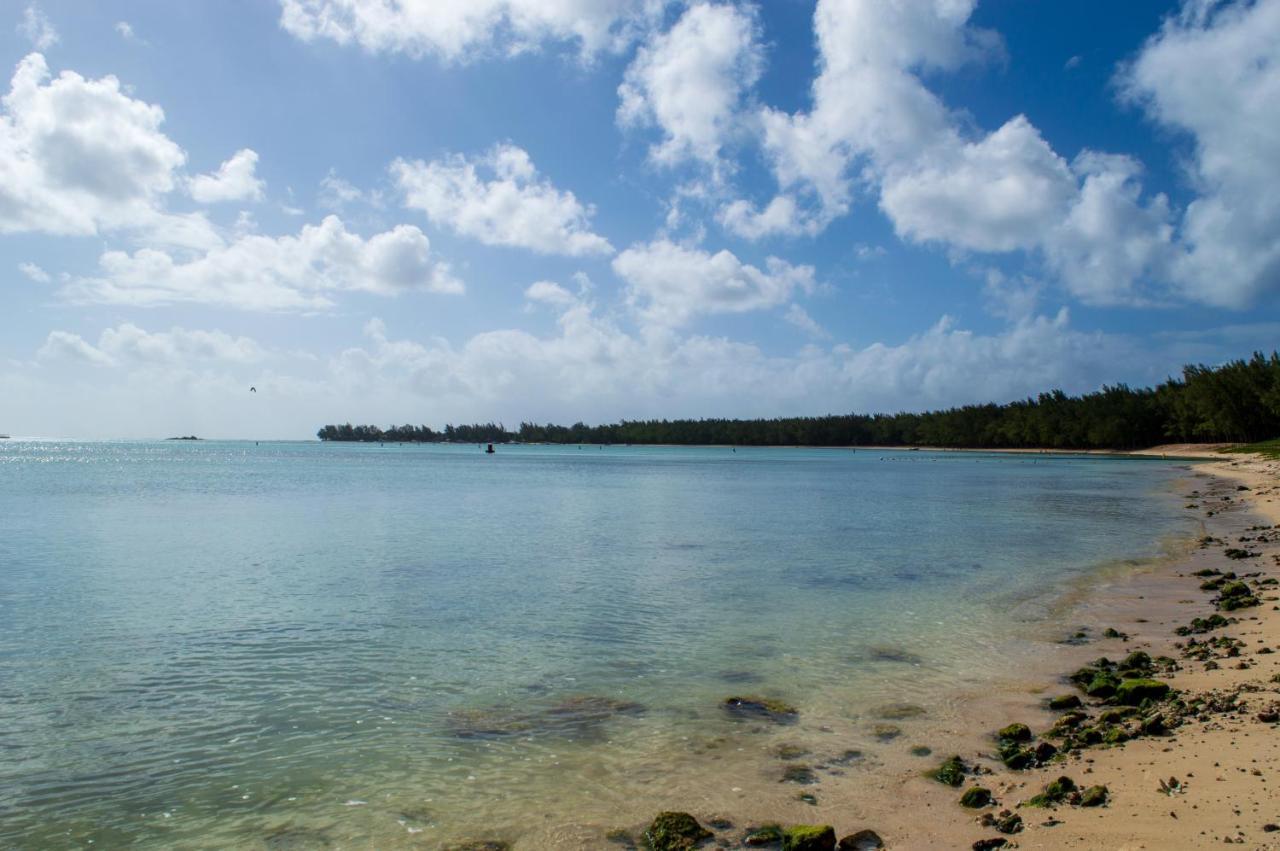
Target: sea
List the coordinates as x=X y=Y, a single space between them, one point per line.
x=294 y=644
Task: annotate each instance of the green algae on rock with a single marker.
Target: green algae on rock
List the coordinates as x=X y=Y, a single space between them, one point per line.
x=766 y=834
x=809 y=837
x=1134 y=692
x=675 y=831
x=1094 y=796
x=1054 y=793
x=951 y=772
x=1064 y=701
x=1014 y=733
x=975 y=798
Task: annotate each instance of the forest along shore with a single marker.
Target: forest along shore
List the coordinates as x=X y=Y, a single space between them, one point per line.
x=1159 y=729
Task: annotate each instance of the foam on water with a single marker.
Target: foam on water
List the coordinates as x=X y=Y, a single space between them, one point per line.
x=298 y=644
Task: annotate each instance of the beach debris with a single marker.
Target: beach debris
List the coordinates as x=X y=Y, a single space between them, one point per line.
x=807 y=798
x=754 y=706
x=863 y=840
x=975 y=798
x=951 y=772
x=1172 y=787
x=809 y=837
x=675 y=831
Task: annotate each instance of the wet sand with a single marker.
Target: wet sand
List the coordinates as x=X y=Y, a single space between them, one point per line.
x=1210 y=781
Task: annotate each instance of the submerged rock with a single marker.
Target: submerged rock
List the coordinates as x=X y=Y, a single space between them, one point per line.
x=1065 y=701
x=754 y=706
x=766 y=834
x=899 y=711
x=481 y=845
x=675 y=831
x=886 y=732
x=571 y=716
x=809 y=837
x=798 y=773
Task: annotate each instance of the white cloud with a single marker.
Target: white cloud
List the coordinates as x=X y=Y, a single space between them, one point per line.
x=34 y=272
x=1214 y=72
x=670 y=284
x=461 y=30
x=264 y=273
x=80 y=157
x=549 y=292
x=125 y=30
x=235 y=180
x=800 y=318
x=512 y=206
x=127 y=343
x=37 y=29
x=336 y=192
x=690 y=81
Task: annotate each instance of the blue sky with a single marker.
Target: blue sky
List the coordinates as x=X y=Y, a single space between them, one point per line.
x=576 y=209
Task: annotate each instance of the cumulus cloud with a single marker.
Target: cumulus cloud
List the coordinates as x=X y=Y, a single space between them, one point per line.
x=265 y=273
x=500 y=199
x=127 y=343
x=235 y=180
x=690 y=82
x=549 y=292
x=670 y=284
x=1213 y=72
x=460 y=30
x=81 y=157
x=800 y=318
x=34 y=272
x=36 y=28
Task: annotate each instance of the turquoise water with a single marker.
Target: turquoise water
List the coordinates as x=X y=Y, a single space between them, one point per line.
x=299 y=645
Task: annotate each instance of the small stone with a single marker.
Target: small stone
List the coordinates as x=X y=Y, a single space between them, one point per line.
x=987 y=844
x=809 y=837
x=863 y=840
x=675 y=831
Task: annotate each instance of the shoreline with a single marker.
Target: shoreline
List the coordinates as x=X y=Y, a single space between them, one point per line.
x=1206 y=780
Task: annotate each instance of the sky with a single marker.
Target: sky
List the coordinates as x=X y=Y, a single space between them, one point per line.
x=432 y=211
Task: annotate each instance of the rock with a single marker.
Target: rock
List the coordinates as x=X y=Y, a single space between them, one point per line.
x=975 y=798
x=1045 y=752
x=1015 y=733
x=720 y=823
x=1065 y=701
x=798 y=773
x=754 y=706
x=675 y=831
x=1153 y=725
x=1103 y=685
x=1270 y=828
x=863 y=840
x=1269 y=716
x=1133 y=692
x=763 y=835
x=921 y=750
x=1016 y=757
x=1136 y=661
x=1235 y=595
x=1094 y=796
x=809 y=837
x=1054 y=793
x=951 y=772
x=620 y=837
x=789 y=752
x=899 y=711
x=480 y=846
x=1008 y=822
x=1112 y=632
x=886 y=732
x=987 y=844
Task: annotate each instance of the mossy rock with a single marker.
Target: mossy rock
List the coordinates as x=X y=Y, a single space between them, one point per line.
x=675 y=831
x=1015 y=756
x=809 y=837
x=1103 y=685
x=1014 y=733
x=1134 y=692
x=1116 y=714
x=1138 y=660
x=754 y=706
x=1064 y=701
x=1094 y=796
x=618 y=836
x=766 y=834
x=1115 y=735
x=482 y=845
x=1054 y=793
x=951 y=772
x=975 y=798
x=1154 y=725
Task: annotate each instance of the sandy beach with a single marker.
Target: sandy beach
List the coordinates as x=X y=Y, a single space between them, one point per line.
x=1204 y=775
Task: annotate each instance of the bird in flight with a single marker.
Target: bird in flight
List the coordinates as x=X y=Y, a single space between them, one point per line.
x=253 y=389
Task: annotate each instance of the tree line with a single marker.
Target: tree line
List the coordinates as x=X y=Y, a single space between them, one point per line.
x=1238 y=401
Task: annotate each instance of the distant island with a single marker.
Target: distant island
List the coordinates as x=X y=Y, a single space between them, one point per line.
x=188 y=437
x=1237 y=402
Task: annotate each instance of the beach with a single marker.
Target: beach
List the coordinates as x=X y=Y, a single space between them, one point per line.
x=1206 y=780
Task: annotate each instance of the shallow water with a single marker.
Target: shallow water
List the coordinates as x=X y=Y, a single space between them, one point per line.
x=300 y=645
